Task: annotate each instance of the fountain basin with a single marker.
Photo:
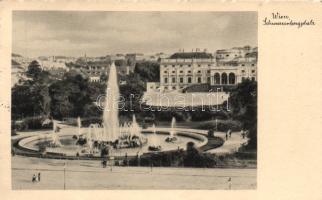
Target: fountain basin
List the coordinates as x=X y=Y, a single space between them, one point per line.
x=69 y=147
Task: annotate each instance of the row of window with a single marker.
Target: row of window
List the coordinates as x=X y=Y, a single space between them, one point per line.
x=243 y=71
x=174 y=87
x=93 y=72
x=209 y=65
x=189 y=80
x=181 y=72
x=189 y=65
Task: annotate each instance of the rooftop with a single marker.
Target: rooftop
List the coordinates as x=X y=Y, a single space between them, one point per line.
x=189 y=55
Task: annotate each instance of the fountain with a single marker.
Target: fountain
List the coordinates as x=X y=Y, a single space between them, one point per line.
x=111 y=138
x=54 y=137
x=134 y=129
x=155 y=146
x=113 y=134
x=79 y=125
x=110 y=114
x=172 y=138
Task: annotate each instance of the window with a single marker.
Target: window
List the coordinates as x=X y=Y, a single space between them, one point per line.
x=173 y=65
x=189 y=65
x=227 y=55
x=253 y=78
x=209 y=65
x=189 y=71
x=243 y=71
x=173 y=72
x=199 y=71
x=189 y=79
x=173 y=80
x=166 y=88
x=253 y=64
x=199 y=65
x=180 y=65
x=199 y=79
x=253 y=71
x=181 y=72
x=208 y=79
x=208 y=71
x=174 y=87
x=181 y=80
x=243 y=64
x=165 y=80
x=165 y=72
x=165 y=66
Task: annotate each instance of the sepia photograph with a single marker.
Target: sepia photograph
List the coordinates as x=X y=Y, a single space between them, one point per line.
x=134 y=100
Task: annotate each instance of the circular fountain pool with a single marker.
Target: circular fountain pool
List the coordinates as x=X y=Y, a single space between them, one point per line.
x=69 y=147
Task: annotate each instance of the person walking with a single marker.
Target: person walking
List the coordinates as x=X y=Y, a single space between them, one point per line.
x=229 y=132
x=226 y=136
x=34 y=178
x=39 y=176
x=229 y=183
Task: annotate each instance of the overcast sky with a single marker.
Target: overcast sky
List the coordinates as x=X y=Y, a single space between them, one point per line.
x=71 y=33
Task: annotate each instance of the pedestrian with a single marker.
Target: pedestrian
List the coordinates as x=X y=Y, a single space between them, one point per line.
x=229 y=132
x=39 y=176
x=34 y=178
x=242 y=133
x=229 y=183
x=226 y=136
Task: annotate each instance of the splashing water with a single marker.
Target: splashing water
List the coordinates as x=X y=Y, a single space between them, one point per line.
x=79 y=124
x=110 y=115
x=154 y=139
x=54 y=135
x=173 y=124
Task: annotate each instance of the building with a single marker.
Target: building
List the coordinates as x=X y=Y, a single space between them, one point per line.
x=185 y=69
x=233 y=54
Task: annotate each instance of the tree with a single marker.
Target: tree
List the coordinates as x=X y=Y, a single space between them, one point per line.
x=70 y=96
x=31 y=97
x=34 y=70
x=148 y=71
x=243 y=103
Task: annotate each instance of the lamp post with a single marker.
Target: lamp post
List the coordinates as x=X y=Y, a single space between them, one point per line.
x=65 y=175
x=216 y=121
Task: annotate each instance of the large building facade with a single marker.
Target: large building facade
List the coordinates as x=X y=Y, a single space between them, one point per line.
x=229 y=67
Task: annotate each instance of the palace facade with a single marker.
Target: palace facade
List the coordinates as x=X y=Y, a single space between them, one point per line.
x=227 y=67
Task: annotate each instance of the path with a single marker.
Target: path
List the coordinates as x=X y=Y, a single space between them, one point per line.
x=90 y=175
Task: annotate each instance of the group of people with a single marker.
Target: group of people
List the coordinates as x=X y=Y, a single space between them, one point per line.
x=36 y=178
x=242 y=133
x=228 y=134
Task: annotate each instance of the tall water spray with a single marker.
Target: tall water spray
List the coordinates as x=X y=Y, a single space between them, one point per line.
x=110 y=114
x=79 y=124
x=135 y=128
x=54 y=135
x=173 y=125
x=154 y=141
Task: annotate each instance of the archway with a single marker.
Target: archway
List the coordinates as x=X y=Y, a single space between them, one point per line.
x=232 y=78
x=224 y=79
x=217 y=79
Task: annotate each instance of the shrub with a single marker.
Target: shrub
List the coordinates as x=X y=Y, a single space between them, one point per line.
x=221 y=125
x=92 y=120
x=31 y=123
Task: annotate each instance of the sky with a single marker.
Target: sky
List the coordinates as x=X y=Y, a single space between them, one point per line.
x=97 y=33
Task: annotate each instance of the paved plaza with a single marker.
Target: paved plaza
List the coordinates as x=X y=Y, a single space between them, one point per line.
x=62 y=174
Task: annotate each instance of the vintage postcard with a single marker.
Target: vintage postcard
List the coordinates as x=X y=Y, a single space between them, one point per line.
x=147 y=96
